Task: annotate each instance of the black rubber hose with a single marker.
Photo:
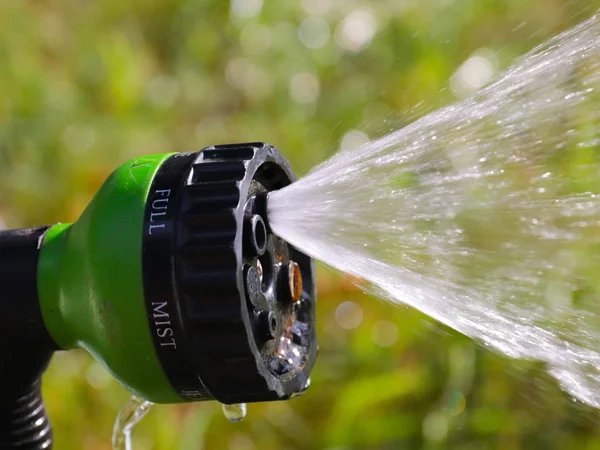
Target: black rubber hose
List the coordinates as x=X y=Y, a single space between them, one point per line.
x=25 y=346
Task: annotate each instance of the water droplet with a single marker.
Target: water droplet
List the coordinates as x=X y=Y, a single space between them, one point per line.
x=235 y=412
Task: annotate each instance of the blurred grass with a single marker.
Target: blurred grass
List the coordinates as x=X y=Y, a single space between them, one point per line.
x=88 y=85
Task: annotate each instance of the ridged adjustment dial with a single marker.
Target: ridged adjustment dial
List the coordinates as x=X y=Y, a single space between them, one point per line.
x=250 y=327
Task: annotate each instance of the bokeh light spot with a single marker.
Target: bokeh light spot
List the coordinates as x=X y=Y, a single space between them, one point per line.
x=255 y=39
x=348 y=315
x=241 y=441
x=435 y=427
x=314 y=32
x=240 y=73
x=456 y=403
x=385 y=333
x=162 y=91
x=79 y=139
x=248 y=77
x=246 y=8
x=304 y=87
x=356 y=31
x=317 y=7
x=474 y=73
x=353 y=139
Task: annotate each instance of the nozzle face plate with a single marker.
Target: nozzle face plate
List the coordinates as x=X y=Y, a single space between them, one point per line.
x=230 y=305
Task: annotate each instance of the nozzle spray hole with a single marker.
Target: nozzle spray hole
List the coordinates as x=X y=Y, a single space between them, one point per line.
x=259 y=233
x=272 y=323
x=267 y=324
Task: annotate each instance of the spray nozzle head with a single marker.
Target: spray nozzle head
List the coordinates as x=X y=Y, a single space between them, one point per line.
x=172 y=278
x=240 y=301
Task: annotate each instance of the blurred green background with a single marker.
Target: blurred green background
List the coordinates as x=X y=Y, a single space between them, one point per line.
x=87 y=85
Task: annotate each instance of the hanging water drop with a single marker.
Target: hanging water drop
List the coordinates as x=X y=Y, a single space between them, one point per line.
x=129 y=416
x=236 y=412
x=307 y=384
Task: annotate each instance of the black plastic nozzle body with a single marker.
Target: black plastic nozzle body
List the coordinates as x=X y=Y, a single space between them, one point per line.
x=25 y=347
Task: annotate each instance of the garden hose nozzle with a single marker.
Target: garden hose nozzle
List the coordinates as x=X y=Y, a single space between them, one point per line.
x=172 y=279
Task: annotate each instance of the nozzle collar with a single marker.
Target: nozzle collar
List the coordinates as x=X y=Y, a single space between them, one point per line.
x=223 y=327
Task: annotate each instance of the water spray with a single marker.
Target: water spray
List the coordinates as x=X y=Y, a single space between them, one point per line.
x=172 y=279
x=484 y=214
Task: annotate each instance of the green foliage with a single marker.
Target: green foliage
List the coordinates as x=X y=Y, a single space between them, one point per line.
x=89 y=85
